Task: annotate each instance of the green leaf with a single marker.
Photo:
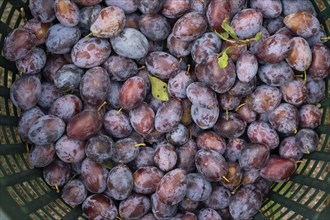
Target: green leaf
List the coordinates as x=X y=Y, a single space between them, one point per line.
x=225 y=25
x=158 y=88
x=223 y=35
x=107 y=165
x=223 y=60
x=258 y=36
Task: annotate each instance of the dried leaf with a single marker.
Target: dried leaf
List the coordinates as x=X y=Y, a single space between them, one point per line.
x=158 y=88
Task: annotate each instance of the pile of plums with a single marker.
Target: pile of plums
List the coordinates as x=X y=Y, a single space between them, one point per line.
x=212 y=147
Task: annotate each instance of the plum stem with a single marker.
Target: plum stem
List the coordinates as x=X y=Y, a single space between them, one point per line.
x=235 y=190
x=318 y=105
x=188 y=69
x=119 y=218
x=21 y=71
x=294 y=129
x=142 y=67
x=190 y=134
x=73 y=176
x=307 y=149
x=27 y=148
x=101 y=106
x=67 y=91
x=325 y=38
x=23 y=15
x=118 y=112
x=57 y=189
x=88 y=35
x=240 y=106
x=300 y=161
x=140 y=145
x=305 y=77
x=180 y=60
x=227 y=114
x=225 y=178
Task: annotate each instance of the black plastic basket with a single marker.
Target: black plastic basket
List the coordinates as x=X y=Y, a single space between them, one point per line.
x=25 y=195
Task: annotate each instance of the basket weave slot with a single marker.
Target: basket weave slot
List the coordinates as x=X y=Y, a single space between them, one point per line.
x=25 y=195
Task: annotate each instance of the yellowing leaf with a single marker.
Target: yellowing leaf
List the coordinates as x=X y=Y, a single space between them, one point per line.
x=107 y=165
x=225 y=25
x=223 y=60
x=158 y=88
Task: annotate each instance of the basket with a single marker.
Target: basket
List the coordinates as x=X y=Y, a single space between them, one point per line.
x=25 y=195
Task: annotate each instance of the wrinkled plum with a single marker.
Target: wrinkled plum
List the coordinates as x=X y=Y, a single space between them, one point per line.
x=99 y=148
x=198 y=188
